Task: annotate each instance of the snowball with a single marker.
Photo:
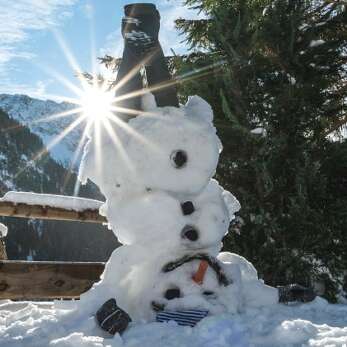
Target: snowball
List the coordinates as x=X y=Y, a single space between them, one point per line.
x=198 y=108
x=135 y=277
x=159 y=220
x=169 y=148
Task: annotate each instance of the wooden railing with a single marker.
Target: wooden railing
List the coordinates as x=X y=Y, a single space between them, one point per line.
x=21 y=210
x=42 y=280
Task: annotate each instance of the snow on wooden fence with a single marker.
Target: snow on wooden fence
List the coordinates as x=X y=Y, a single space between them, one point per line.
x=38 y=280
x=47 y=206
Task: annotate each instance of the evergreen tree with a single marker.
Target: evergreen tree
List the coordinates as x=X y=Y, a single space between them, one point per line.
x=275 y=75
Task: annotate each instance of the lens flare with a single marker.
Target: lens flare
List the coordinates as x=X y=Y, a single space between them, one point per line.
x=97 y=104
x=96 y=109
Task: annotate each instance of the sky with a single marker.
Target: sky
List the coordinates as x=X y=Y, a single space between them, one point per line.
x=43 y=42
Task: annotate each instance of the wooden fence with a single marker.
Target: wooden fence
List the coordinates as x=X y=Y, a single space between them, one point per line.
x=41 y=280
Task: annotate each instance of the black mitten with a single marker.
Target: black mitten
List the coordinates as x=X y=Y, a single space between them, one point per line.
x=295 y=292
x=111 y=318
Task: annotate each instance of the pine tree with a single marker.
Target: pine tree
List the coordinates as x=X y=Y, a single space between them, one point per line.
x=275 y=75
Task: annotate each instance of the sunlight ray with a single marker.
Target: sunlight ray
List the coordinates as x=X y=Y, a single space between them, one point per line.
x=93 y=58
x=133 y=133
x=68 y=113
x=126 y=110
x=52 y=143
x=134 y=112
x=77 y=187
x=63 y=80
x=44 y=119
x=134 y=70
x=114 y=137
x=97 y=147
x=77 y=153
x=61 y=98
x=70 y=57
x=60 y=137
x=198 y=73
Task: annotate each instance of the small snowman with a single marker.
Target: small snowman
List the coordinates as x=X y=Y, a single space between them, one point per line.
x=170 y=267
x=155 y=172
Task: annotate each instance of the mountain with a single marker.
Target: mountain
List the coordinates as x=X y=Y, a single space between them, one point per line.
x=33 y=112
x=38 y=239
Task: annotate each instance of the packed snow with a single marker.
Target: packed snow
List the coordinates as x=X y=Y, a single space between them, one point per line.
x=144 y=153
x=51 y=200
x=316 y=324
x=162 y=203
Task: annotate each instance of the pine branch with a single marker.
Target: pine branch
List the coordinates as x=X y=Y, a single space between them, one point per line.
x=336 y=126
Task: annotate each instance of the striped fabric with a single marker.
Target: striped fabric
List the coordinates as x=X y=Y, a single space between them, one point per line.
x=186 y=318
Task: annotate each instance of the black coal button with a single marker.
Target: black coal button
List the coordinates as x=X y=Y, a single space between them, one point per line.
x=187 y=208
x=190 y=233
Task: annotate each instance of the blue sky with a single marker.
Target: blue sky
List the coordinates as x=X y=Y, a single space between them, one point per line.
x=34 y=32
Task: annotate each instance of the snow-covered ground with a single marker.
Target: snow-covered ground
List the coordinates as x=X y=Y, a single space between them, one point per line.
x=314 y=324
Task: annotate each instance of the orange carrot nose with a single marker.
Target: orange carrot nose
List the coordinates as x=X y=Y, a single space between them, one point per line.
x=198 y=277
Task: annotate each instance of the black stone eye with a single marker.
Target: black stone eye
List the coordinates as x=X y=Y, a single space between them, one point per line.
x=179 y=159
x=187 y=208
x=190 y=233
x=172 y=293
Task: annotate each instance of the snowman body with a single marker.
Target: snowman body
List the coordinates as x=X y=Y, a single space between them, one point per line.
x=170 y=215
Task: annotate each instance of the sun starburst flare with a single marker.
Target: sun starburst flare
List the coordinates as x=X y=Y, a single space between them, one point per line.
x=96 y=110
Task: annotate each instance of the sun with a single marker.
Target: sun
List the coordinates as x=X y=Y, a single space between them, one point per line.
x=97 y=103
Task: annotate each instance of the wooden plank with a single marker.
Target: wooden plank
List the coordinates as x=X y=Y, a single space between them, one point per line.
x=10 y=209
x=24 y=280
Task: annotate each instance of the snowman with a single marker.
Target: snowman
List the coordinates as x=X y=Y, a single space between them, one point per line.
x=155 y=172
x=170 y=267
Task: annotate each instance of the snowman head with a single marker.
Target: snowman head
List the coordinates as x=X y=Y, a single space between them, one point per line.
x=170 y=149
x=197 y=281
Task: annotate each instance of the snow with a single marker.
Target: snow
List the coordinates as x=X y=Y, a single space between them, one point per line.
x=145 y=213
x=291 y=79
x=170 y=214
x=152 y=140
x=316 y=43
x=316 y=324
x=58 y=201
x=214 y=207
x=3 y=230
x=258 y=131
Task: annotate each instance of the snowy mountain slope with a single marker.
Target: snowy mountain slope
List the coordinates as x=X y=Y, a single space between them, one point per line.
x=28 y=111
